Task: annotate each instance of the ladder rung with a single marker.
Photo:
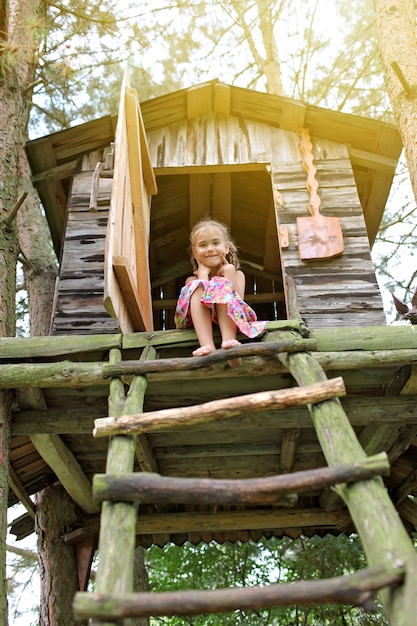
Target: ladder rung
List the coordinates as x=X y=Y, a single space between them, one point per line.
x=217 y=410
x=268 y=349
x=357 y=589
x=156 y=489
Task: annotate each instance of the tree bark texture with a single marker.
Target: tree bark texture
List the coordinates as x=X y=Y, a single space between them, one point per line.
x=5 y=437
x=55 y=513
x=140 y=582
x=17 y=55
x=38 y=258
x=396 y=25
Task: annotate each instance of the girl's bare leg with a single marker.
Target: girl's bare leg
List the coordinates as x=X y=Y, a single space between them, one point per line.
x=201 y=316
x=228 y=331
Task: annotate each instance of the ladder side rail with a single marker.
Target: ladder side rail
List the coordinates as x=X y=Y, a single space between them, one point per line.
x=377 y=522
x=118 y=520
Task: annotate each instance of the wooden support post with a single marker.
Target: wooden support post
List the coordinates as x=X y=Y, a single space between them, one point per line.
x=383 y=536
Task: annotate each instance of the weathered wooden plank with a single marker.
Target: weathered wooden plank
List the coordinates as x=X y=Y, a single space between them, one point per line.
x=178 y=337
x=118 y=230
x=240 y=520
x=372 y=338
x=387 y=342
x=375 y=438
x=288 y=449
x=192 y=449
x=142 y=182
x=77 y=284
x=145 y=455
x=258 y=431
x=74 y=325
x=236 y=467
x=408 y=509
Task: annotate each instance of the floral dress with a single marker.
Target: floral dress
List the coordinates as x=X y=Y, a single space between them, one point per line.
x=218 y=290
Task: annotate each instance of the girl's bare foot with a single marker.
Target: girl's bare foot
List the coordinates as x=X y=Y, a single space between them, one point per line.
x=203 y=351
x=230 y=343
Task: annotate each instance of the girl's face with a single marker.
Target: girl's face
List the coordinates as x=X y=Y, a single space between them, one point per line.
x=209 y=247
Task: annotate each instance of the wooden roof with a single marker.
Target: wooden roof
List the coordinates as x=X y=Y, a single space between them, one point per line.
x=374 y=147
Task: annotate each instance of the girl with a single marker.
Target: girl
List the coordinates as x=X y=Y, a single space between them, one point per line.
x=215 y=292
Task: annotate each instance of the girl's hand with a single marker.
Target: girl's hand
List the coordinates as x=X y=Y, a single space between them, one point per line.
x=202 y=272
x=237 y=277
x=227 y=270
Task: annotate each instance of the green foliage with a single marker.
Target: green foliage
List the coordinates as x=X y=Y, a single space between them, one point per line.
x=212 y=566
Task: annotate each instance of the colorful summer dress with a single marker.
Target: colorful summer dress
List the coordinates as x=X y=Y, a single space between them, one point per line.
x=218 y=290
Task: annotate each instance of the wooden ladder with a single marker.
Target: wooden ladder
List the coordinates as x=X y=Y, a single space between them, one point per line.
x=390 y=555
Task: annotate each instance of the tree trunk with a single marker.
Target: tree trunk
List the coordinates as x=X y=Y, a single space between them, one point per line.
x=396 y=23
x=16 y=64
x=140 y=582
x=38 y=257
x=55 y=513
x=5 y=436
x=266 y=60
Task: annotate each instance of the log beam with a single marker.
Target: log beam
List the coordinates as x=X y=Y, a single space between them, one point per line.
x=218 y=410
x=156 y=489
x=358 y=589
x=67 y=469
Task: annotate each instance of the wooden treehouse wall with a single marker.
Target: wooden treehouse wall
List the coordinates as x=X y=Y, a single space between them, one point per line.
x=251 y=176
x=341 y=291
x=79 y=293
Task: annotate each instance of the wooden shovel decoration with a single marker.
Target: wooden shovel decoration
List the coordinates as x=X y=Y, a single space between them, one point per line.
x=319 y=237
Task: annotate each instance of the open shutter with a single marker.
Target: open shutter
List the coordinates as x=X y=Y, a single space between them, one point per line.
x=127 y=285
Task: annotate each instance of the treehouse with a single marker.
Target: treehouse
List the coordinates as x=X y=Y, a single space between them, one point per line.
x=302 y=190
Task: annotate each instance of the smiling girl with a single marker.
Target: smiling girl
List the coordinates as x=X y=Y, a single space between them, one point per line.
x=215 y=292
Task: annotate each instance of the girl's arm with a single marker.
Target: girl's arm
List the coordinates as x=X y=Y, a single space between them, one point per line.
x=202 y=273
x=237 y=277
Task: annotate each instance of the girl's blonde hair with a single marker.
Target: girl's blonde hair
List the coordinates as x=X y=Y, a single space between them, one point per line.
x=208 y=222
